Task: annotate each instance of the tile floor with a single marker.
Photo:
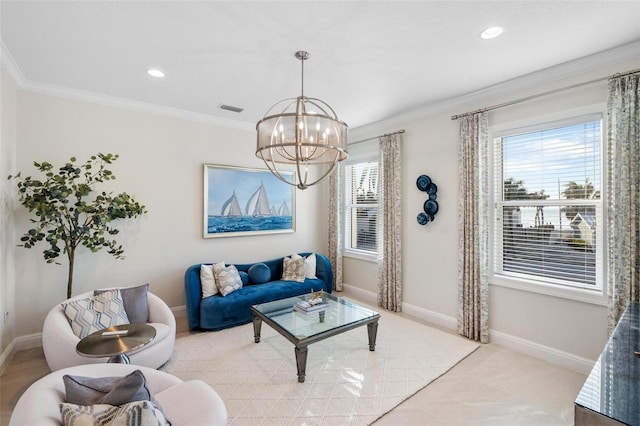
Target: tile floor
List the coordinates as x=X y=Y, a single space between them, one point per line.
x=493 y=386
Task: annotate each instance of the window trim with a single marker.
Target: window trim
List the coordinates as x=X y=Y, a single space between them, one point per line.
x=596 y=296
x=348 y=251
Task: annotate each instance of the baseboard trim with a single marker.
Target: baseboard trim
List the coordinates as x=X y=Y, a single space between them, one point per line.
x=20 y=343
x=179 y=311
x=7 y=356
x=554 y=356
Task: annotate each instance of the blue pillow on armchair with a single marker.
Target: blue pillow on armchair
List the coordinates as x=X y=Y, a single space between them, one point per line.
x=259 y=273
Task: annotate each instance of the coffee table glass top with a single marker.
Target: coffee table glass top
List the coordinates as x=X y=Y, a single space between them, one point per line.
x=340 y=313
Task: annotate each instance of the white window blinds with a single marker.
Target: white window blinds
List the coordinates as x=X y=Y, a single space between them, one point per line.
x=361 y=184
x=548 y=203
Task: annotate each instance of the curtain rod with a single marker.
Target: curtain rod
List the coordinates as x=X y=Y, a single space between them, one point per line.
x=376 y=137
x=539 y=95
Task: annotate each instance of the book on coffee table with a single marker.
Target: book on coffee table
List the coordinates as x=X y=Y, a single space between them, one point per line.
x=306 y=307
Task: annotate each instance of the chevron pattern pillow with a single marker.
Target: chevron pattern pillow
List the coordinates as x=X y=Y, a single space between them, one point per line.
x=227 y=278
x=95 y=313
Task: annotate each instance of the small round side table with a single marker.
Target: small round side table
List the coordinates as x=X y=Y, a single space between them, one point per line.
x=116 y=341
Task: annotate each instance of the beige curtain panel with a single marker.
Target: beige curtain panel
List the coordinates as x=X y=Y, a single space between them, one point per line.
x=473 y=228
x=389 y=223
x=623 y=195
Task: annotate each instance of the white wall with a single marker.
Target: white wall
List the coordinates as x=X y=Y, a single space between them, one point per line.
x=161 y=164
x=557 y=327
x=7 y=192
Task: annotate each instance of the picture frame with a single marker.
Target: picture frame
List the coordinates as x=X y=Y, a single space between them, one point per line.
x=240 y=201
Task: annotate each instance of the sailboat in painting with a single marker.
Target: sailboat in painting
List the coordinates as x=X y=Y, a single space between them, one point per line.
x=258 y=204
x=284 y=210
x=242 y=206
x=231 y=207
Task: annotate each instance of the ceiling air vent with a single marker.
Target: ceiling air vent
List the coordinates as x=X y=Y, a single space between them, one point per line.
x=230 y=108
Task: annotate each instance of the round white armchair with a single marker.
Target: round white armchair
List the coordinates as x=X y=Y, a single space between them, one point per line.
x=59 y=341
x=188 y=403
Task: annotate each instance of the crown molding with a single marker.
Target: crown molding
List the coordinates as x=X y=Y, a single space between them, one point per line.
x=588 y=64
x=9 y=65
x=91 y=97
x=598 y=62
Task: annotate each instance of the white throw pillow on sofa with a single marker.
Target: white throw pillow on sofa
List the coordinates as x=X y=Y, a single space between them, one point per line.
x=309 y=265
x=208 y=281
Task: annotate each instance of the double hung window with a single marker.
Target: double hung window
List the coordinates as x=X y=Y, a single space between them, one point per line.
x=547 y=198
x=361 y=204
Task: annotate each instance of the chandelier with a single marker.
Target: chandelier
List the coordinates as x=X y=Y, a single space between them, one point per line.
x=302 y=131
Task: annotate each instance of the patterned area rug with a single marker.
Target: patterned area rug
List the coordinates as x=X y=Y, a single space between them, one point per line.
x=345 y=382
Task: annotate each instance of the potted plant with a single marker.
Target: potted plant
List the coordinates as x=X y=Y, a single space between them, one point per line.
x=70 y=212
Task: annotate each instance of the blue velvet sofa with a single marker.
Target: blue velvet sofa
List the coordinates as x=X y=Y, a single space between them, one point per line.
x=217 y=312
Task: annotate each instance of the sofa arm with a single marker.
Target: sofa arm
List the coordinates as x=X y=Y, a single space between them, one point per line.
x=323 y=270
x=193 y=295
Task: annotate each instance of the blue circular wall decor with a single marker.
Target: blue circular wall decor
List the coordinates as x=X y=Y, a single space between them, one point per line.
x=430 y=207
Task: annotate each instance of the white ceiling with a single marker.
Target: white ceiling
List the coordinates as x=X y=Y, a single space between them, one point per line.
x=370 y=60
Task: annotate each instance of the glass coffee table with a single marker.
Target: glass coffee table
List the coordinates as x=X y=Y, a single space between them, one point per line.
x=114 y=342
x=303 y=329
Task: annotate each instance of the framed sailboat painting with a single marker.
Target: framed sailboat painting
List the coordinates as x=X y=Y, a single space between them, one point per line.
x=241 y=201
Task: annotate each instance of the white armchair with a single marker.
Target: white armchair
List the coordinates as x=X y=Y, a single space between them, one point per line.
x=189 y=403
x=59 y=342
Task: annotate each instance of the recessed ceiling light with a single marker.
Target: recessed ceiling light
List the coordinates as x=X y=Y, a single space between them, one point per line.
x=491 y=32
x=155 y=73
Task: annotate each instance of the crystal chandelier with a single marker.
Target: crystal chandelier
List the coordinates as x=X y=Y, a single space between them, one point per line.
x=302 y=131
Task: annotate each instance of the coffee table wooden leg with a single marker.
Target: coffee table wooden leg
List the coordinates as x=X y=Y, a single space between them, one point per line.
x=257 y=326
x=372 y=330
x=301 y=363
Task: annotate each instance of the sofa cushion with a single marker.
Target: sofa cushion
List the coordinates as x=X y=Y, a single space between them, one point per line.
x=83 y=390
x=136 y=302
x=139 y=413
x=293 y=269
x=259 y=273
x=95 y=313
x=227 y=278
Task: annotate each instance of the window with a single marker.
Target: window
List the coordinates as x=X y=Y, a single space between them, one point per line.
x=361 y=203
x=548 y=204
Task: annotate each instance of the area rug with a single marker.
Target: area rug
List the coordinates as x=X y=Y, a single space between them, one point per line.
x=345 y=382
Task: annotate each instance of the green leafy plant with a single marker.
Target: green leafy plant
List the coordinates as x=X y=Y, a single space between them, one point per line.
x=70 y=213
